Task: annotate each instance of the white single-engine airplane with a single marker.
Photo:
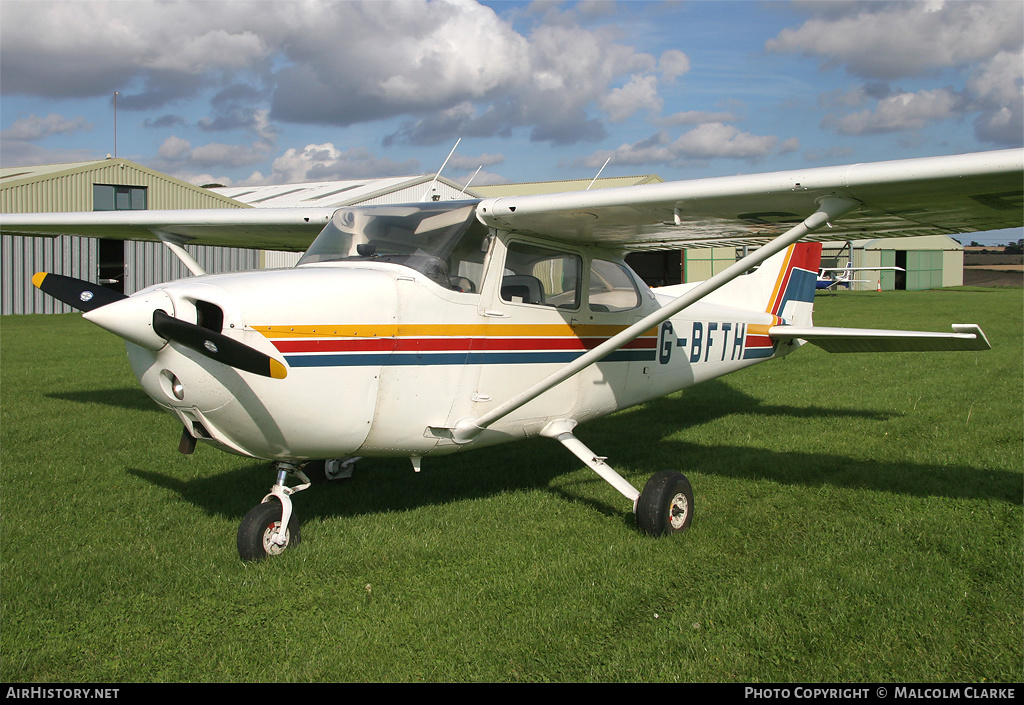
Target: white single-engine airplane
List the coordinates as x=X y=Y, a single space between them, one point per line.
x=832 y=278
x=429 y=328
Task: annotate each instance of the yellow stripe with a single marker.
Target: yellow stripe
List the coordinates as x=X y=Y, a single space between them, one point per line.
x=782 y=275
x=471 y=330
x=37 y=279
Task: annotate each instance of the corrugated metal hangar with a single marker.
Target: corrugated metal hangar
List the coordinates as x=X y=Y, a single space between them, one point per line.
x=118 y=184
x=108 y=184
x=126 y=266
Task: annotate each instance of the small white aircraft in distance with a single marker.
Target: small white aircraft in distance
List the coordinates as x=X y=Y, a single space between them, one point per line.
x=430 y=328
x=832 y=278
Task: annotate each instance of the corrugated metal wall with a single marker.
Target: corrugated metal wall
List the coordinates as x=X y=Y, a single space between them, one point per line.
x=146 y=263
x=149 y=263
x=24 y=256
x=70 y=189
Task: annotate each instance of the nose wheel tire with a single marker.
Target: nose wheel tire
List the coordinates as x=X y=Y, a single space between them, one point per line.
x=665 y=505
x=258 y=529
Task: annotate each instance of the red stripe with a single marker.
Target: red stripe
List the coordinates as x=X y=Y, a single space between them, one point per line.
x=758 y=341
x=449 y=344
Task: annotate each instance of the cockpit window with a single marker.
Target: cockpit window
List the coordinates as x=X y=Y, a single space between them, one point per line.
x=442 y=240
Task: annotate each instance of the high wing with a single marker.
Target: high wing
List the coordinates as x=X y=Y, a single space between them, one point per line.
x=928 y=196
x=289 y=229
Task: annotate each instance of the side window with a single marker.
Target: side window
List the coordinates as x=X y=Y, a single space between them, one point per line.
x=538 y=275
x=611 y=287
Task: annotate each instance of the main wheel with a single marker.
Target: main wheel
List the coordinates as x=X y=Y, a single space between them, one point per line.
x=666 y=504
x=257 y=529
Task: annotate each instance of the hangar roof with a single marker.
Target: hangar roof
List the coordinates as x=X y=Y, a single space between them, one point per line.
x=395 y=189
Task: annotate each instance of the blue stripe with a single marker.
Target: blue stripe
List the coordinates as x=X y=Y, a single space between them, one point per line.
x=459 y=358
x=801 y=287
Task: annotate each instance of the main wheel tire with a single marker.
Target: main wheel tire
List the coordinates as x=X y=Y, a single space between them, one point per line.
x=257 y=528
x=666 y=504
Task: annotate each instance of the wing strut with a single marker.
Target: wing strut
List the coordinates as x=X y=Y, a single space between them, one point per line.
x=829 y=209
x=177 y=246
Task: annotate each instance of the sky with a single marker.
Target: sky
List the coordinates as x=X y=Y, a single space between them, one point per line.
x=292 y=91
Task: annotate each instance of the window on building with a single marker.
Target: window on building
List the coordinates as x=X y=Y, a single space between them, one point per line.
x=107 y=197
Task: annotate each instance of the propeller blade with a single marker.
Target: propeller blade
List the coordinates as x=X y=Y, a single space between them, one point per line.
x=77 y=293
x=216 y=346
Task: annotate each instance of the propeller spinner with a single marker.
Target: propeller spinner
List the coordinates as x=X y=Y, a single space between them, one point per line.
x=144 y=320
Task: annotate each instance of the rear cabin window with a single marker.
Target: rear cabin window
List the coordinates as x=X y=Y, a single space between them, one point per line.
x=611 y=288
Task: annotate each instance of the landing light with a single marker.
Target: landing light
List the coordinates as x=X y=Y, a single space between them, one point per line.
x=173 y=385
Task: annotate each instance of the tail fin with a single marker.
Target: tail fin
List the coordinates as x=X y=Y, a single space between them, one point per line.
x=796 y=279
x=783 y=285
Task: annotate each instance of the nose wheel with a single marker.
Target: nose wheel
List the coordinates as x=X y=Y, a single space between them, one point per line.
x=260 y=534
x=271 y=527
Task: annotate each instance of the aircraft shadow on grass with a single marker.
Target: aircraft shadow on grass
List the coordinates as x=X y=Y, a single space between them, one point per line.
x=536 y=463
x=130 y=398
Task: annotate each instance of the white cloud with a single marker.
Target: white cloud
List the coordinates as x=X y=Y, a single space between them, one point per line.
x=892 y=40
x=174 y=147
x=325 y=162
x=672 y=64
x=34 y=128
x=641 y=93
x=708 y=141
x=929 y=41
x=904 y=111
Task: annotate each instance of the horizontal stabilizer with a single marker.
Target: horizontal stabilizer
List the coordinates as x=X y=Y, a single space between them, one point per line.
x=843 y=340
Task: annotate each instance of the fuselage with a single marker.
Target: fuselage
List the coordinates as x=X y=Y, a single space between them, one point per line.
x=382 y=357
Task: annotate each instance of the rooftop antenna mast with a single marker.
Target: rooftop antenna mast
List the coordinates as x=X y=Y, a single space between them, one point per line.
x=427 y=196
x=115 y=124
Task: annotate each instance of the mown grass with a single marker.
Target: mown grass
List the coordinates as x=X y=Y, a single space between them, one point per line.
x=859 y=518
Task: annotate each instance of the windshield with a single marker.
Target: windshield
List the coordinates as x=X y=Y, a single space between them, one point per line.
x=442 y=240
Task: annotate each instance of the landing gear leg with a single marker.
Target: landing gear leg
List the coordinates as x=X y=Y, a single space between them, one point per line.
x=271 y=527
x=664 y=507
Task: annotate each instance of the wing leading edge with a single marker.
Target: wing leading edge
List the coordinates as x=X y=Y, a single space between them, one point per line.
x=262 y=228
x=935 y=195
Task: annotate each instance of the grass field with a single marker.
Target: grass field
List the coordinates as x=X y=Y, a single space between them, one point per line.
x=858 y=519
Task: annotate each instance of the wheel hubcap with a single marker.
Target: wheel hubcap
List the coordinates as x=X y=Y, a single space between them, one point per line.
x=679 y=509
x=272 y=548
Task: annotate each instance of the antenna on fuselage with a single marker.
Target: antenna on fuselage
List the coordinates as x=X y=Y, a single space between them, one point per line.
x=599 y=172
x=429 y=195
x=463 y=191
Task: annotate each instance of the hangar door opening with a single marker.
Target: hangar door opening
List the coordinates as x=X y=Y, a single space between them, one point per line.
x=111 y=264
x=900 y=278
x=922 y=269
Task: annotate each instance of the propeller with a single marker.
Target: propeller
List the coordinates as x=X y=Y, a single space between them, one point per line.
x=142 y=320
x=77 y=293
x=216 y=346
